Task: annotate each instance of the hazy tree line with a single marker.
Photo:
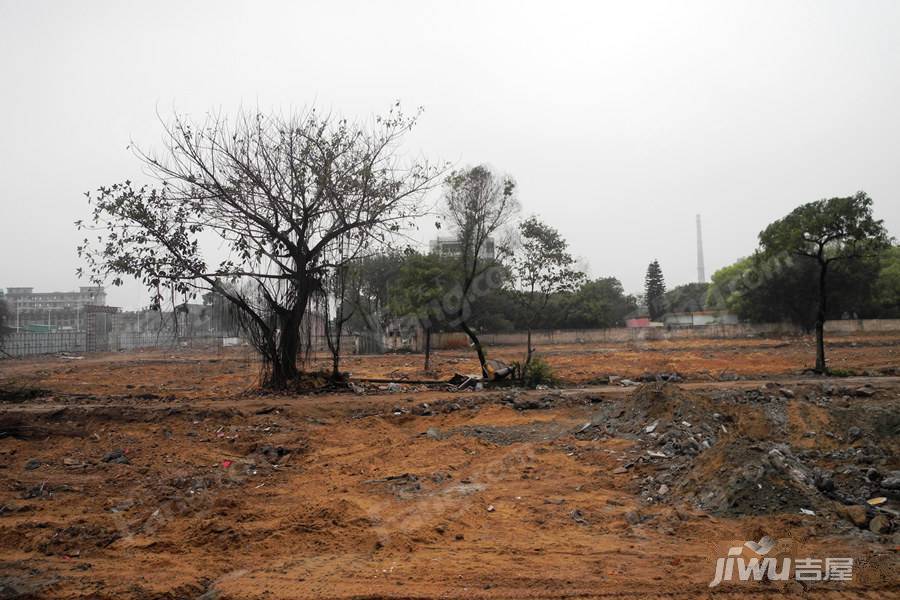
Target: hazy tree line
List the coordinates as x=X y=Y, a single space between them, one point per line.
x=409 y=281
x=758 y=290
x=771 y=290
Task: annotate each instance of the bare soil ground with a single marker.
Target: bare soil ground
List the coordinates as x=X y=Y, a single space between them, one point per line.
x=163 y=475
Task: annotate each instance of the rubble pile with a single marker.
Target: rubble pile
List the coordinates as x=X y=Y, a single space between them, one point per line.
x=735 y=452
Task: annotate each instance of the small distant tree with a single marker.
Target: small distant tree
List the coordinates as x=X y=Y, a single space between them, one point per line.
x=689 y=297
x=600 y=303
x=654 y=290
x=418 y=293
x=342 y=283
x=887 y=284
x=826 y=231
x=541 y=267
x=479 y=204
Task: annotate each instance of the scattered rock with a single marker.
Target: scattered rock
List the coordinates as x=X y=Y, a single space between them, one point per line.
x=891 y=483
x=880 y=524
x=856 y=514
x=527 y=403
x=37 y=491
x=632 y=517
x=853 y=434
x=823 y=481
x=578 y=517
x=116 y=457
x=33 y=464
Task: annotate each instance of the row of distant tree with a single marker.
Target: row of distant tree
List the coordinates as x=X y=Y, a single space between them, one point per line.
x=828 y=259
x=398 y=284
x=760 y=289
x=309 y=210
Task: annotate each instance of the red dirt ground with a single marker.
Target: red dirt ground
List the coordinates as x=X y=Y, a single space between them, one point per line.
x=230 y=494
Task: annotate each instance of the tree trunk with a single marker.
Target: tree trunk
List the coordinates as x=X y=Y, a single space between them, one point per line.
x=530 y=349
x=336 y=354
x=275 y=378
x=481 y=357
x=289 y=347
x=820 y=320
x=427 y=349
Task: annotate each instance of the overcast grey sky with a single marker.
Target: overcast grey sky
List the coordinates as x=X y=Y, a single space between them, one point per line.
x=619 y=120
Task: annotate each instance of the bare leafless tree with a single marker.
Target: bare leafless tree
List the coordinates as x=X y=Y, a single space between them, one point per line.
x=274 y=193
x=478 y=204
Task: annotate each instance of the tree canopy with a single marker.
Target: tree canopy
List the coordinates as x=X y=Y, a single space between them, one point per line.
x=826 y=232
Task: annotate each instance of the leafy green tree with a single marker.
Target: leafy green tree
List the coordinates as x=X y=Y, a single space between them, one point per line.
x=784 y=288
x=887 y=284
x=541 y=267
x=654 y=290
x=766 y=290
x=690 y=297
x=825 y=232
x=497 y=309
x=377 y=274
x=418 y=291
x=596 y=304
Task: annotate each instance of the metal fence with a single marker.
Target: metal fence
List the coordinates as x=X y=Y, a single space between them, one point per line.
x=32 y=344
x=27 y=343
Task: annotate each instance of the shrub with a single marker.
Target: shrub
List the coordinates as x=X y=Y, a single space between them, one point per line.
x=537 y=372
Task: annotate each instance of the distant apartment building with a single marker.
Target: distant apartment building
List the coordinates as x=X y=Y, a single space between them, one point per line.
x=452 y=246
x=51 y=310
